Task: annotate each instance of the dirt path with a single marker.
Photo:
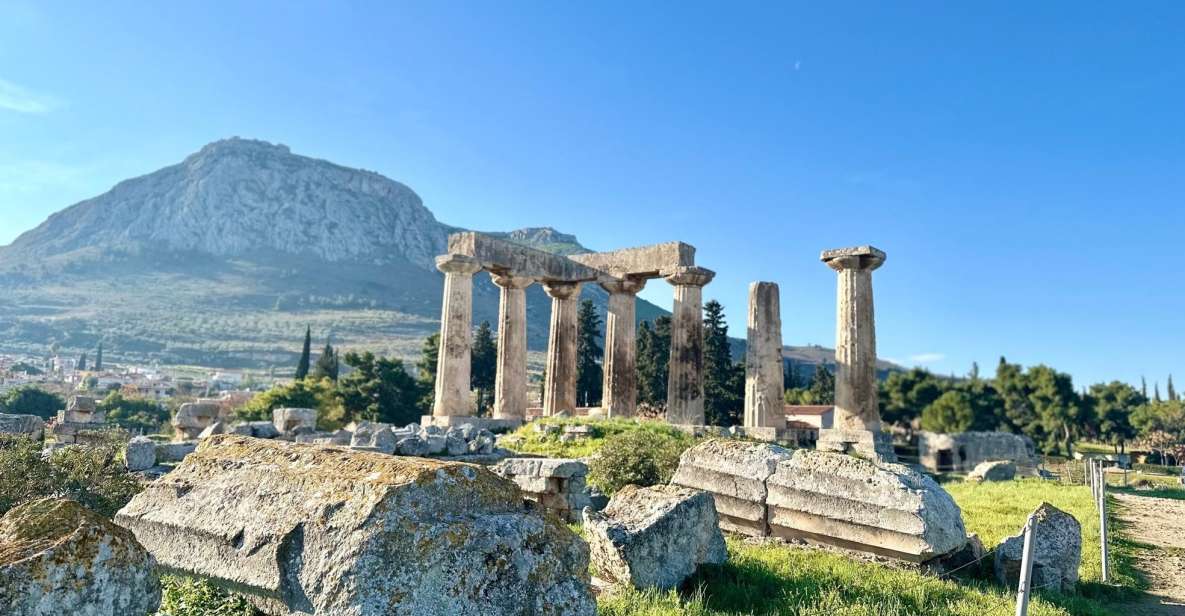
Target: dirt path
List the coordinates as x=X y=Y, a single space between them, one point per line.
x=1158 y=522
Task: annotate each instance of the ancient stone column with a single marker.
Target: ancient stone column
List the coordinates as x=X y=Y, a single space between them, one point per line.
x=620 y=385
x=857 y=423
x=685 y=381
x=510 y=382
x=764 y=380
x=559 y=390
x=456 y=315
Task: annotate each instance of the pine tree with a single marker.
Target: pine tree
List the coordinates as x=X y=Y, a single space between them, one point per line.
x=99 y=359
x=1172 y=392
x=722 y=400
x=653 y=360
x=822 y=387
x=588 y=355
x=483 y=366
x=81 y=362
x=327 y=365
x=426 y=368
x=302 y=368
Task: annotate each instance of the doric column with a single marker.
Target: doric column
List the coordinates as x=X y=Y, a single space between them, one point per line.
x=764 y=381
x=559 y=390
x=510 y=382
x=685 y=381
x=857 y=423
x=456 y=315
x=620 y=385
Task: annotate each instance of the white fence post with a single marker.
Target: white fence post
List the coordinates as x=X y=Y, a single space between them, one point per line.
x=1103 y=523
x=1026 y=570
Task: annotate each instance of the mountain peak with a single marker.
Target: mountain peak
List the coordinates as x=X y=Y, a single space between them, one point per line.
x=236 y=144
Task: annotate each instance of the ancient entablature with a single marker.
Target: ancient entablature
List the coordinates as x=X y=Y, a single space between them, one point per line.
x=621 y=272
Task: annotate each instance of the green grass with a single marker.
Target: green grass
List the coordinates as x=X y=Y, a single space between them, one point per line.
x=550 y=445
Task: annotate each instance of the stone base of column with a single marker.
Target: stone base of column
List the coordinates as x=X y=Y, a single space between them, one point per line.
x=875 y=446
x=488 y=423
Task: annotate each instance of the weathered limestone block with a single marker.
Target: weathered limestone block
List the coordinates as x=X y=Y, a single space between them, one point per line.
x=194 y=417
x=257 y=429
x=886 y=509
x=735 y=473
x=218 y=427
x=556 y=483
x=287 y=420
x=412 y=446
x=994 y=470
x=1057 y=551
x=56 y=557
x=655 y=537
x=764 y=381
x=174 y=452
x=140 y=454
x=30 y=426
x=306 y=529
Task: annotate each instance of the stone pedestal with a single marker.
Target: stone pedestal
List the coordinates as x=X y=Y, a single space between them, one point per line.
x=510 y=382
x=764 y=379
x=620 y=385
x=871 y=445
x=685 y=382
x=559 y=390
x=456 y=315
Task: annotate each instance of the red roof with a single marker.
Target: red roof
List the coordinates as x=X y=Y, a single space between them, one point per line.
x=806 y=409
x=800 y=425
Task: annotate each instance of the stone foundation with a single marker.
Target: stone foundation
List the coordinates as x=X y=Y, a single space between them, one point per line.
x=557 y=484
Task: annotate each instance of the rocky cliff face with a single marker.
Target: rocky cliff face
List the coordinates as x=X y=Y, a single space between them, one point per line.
x=238 y=197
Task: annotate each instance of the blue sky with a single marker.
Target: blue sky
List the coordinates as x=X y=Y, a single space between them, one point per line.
x=1020 y=163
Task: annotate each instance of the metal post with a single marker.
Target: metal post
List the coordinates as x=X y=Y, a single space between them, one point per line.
x=1103 y=526
x=1026 y=570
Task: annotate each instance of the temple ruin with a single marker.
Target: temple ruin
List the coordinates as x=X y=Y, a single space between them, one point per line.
x=622 y=273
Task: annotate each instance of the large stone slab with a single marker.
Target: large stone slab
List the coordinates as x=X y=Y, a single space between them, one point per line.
x=287 y=420
x=30 y=426
x=307 y=529
x=56 y=557
x=1057 y=551
x=881 y=508
x=734 y=472
x=655 y=537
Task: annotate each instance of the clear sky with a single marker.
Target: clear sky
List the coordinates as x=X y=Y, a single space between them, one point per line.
x=1021 y=163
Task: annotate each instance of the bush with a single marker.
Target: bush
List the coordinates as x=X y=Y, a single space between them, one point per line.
x=93 y=475
x=640 y=457
x=187 y=597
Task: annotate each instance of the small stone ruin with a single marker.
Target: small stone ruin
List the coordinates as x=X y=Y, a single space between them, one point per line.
x=557 y=484
x=307 y=529
x=963 y=451
x=81 y=422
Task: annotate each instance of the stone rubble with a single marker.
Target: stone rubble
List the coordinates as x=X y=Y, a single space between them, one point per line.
x=993 y=470
x=307 y=529
x=56 y=557
x=1057 y=551
x=654 y=537
x=30 y=426
x=558 y=484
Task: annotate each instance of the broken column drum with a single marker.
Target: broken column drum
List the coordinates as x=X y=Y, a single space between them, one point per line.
x=456 y=316
x=764 y=381
x=620 y=385
x=510 y=382
x=685 y=381
x=559 y=391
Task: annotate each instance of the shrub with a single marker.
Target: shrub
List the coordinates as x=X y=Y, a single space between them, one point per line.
x=640 y=457
x=188 y=597
x=93 y=475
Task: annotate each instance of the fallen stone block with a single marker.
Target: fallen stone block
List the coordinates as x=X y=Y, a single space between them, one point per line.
x=880 y=508
x=993 y=470
x=288 y=420
x=56 y=557
x=305 y=529
x=734 y=472
x=174 y=452
x=655 y=537
x=140 y=454
x=412 y=446
x=30 y=426
x=218 y=427
x=1057 y=551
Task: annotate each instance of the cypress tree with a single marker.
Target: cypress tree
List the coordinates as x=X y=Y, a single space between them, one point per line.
x=1172 y=392
x=823 y=385
x=1156 y=392
x=588 y=355
x=483 y=366
x=327 y=365
x=653 y=360
x=81 y=362
x=302 y=368
x=722 y=401
x=426 y=366
x=1143 y=387
x=99 y=359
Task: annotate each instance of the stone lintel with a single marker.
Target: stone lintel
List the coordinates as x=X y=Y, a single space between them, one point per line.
x=650 y=261
x=505 y=257
x=855 y=257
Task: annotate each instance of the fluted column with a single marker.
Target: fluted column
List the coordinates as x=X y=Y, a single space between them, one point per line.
x=456 y=315
x=559 y=390
x=510 y=382
x=764 y=381
x=685 y=382
x=620 y=384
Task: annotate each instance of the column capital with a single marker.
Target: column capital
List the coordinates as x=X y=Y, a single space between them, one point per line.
x=691 y=276
x=561 y=289
x=856 y=257
x=629 y=285
x=457 y=264
x=507 y=280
